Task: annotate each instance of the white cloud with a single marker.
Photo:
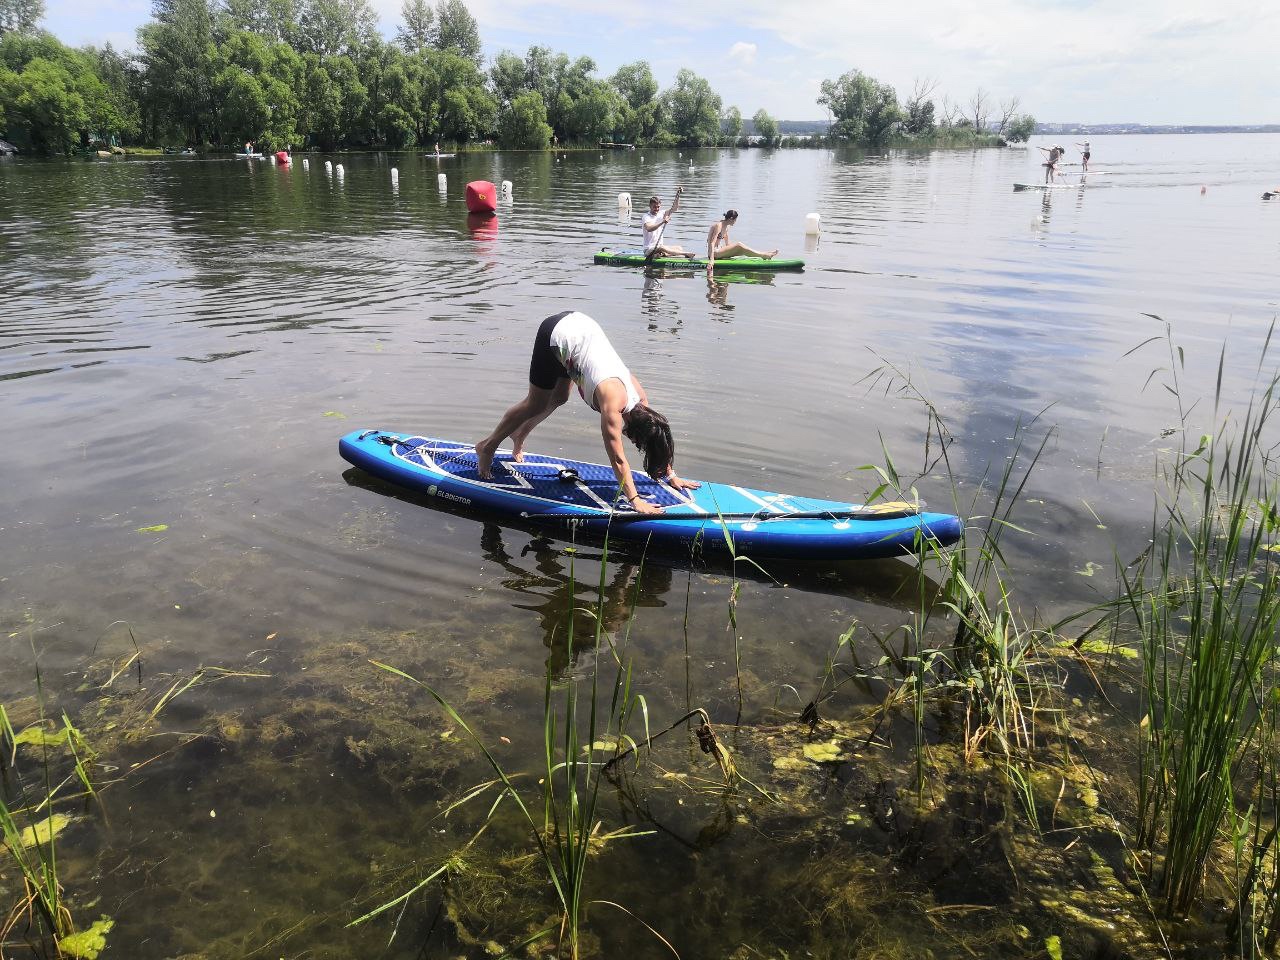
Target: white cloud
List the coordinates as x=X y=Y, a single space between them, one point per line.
x=744 y=53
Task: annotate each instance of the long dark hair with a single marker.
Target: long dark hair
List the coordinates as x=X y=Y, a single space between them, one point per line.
x=649 y=431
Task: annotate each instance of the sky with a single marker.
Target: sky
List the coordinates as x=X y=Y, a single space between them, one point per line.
x=1087 y=61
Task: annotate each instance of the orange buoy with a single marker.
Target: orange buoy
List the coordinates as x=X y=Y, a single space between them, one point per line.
x=481 y=197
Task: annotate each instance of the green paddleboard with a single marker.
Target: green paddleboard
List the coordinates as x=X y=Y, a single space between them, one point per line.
x=636 y=258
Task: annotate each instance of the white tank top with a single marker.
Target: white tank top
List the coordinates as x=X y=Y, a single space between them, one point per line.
x=589 y=357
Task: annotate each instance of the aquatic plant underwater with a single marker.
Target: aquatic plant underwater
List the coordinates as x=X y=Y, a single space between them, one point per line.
x=1102 y=784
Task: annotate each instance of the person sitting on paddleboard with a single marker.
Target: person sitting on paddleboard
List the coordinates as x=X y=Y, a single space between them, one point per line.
x=1084 y=156
x=1053 y=154
x=653 y=225
x=570 y=346
x=719 y=245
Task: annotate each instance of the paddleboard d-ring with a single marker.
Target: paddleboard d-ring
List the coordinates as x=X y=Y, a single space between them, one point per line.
x=568 y=475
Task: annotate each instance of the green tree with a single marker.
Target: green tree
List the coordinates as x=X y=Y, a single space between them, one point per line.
x=20 y=16
x=330 y=27
x=731 y=125
x=593 y=114
x=258 y=87
x=766 y=127
x=454 y=86
x=45 y=111
x=636 y=84
x=507 y=76
x=333 y=100
x=456 y=31
x=178 y=55
x=418 y=31
x=693 y=109
x=522 y=125
x=245 y=111
x=1020 y=128
x=865 y=110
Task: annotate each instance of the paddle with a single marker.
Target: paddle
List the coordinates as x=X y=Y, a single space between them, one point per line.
x=884 y=511
x=658 y=242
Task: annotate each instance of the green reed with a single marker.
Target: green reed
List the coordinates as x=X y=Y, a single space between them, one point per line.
x=29 y=822
x=575 y=726
x=1205 y=601
x=968 y=637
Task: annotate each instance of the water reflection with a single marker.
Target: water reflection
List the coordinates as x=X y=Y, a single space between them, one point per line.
x=892 y=584
x=564 y=590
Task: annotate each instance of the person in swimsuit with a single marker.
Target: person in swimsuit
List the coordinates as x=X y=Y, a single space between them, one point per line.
x=652 y=225
x=1084 y=156
x=570 y=348
x=719 y=245
x=1053 y=155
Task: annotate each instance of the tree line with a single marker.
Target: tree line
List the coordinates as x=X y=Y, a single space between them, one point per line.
x=292 y=73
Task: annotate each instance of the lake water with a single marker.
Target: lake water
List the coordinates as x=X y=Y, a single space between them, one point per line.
x=185 y=340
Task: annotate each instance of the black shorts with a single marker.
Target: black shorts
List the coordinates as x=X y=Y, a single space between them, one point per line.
x=545 y=368
x=1086 y=156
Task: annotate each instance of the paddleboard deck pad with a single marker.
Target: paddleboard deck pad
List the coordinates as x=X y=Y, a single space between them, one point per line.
x=636 y=258
x=571 y=494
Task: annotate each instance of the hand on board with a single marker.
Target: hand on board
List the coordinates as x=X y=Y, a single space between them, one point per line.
x=676 y=483
x=642 y=505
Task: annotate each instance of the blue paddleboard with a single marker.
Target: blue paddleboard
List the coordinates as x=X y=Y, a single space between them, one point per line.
x=570 y=493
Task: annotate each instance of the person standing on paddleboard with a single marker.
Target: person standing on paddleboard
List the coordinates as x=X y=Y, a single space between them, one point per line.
x=1054 y=154
x=571 y=347
x=1084 y=156
x=719 y=245
x=655 y=223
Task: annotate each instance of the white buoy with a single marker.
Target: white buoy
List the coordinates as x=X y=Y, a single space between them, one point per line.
x=691 y=164
x=306 y=164
x=328 y=168
x=624 y=201
x=339 y=171
x=602 y=156
x=506 y=190
x=642 y=159
x=813 y=225
x=442 y=181
x=395 y=175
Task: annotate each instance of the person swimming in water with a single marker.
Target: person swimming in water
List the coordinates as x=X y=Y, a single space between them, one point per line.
x=570 y=348
x=720 y=246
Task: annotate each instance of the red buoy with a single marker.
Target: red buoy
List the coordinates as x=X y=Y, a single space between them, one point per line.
x=481 y=197
x=282 y=157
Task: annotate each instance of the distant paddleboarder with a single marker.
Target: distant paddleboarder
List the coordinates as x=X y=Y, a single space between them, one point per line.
x=719 y=245
x=1084 y=156
x=1052 y=155
x=571 y=347
x=653 y=225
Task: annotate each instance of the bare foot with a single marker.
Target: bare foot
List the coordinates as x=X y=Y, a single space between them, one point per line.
x=771 y=254
x=517 y=452
x=484 y=458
